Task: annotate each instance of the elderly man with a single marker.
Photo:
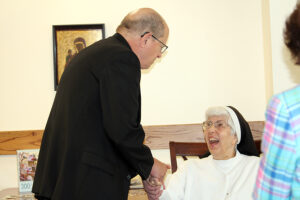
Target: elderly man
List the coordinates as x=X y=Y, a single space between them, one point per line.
x=93 y=141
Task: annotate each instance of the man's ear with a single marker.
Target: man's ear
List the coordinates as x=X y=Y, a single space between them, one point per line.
x=144 y=39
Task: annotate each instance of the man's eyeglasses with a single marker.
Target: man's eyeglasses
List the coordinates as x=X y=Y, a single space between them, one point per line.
x=164 y=47
x=220 y=124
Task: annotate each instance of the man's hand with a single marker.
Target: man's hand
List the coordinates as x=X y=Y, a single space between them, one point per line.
x=159 y=169
x=154 y=181
x=158 y=172
x=153 y=191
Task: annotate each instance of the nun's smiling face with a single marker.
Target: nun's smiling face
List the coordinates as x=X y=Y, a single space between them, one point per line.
x=220 y=141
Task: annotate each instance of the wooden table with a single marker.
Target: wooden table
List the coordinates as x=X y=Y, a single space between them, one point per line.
x=137 y=194
x=13 y=194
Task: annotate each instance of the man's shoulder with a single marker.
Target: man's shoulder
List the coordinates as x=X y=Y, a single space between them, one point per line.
x=109 y=49
x=110 y=44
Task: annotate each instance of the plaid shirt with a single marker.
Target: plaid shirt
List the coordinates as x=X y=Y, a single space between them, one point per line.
x=279 y=171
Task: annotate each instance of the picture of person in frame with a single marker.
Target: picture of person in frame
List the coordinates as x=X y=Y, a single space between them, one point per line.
x=79 y=44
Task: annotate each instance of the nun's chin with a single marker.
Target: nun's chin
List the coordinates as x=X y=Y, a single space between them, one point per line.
x=218 y=154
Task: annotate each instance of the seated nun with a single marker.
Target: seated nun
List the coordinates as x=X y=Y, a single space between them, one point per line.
x=229 y=171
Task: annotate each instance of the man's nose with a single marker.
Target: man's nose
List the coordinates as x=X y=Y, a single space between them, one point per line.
x=159 y=55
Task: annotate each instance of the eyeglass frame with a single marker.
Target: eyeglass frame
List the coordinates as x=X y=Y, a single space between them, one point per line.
x=163 y=48
x=214 y=124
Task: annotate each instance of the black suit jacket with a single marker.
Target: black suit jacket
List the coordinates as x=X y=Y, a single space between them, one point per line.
x=93 y=141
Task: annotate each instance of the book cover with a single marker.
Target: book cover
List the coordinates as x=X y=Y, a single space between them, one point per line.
x=26 y=162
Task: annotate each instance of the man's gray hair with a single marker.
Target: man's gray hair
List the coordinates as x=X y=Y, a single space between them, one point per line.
x=148 y=20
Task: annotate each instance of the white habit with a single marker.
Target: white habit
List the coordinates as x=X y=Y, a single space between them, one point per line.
x=210 y=179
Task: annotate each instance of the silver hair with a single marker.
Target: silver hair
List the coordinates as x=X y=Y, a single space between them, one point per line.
x=219 y=111
x=149 y=21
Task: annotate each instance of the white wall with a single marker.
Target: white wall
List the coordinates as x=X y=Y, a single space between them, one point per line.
x=285 y=73
x=215 y=57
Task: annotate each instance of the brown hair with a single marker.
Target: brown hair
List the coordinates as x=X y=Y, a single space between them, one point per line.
x=292 y=34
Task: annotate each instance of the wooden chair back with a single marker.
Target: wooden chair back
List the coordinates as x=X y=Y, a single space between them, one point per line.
x=185 y=149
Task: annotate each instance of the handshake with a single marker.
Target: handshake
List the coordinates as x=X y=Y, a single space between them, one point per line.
x=154 y=184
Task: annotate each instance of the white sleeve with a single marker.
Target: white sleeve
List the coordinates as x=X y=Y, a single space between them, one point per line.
x=175 y=186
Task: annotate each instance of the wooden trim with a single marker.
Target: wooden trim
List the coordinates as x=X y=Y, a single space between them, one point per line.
x=157 y=136
x=10 y=141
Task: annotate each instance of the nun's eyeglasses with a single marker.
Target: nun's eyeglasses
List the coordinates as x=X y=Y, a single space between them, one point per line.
x=164 y=47
x=220 y=124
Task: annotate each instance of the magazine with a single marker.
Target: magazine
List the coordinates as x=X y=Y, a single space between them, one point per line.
x=26 y=162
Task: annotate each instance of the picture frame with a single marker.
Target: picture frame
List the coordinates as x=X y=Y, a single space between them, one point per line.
x=68 y=40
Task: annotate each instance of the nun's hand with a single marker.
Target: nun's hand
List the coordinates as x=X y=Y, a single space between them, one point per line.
x=153 y=188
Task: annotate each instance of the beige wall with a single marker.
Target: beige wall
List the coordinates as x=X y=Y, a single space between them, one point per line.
x=215 y=57
x=285 y=73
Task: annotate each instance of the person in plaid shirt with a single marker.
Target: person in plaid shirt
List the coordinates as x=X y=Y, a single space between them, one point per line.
x=279 y=171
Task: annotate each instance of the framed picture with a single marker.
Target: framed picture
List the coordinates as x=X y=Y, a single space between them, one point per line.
x=68 y=40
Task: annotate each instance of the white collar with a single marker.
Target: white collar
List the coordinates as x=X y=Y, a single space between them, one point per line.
x=227 y=165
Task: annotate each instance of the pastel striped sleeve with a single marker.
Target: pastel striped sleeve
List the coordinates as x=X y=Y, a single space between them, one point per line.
x=276 y=171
